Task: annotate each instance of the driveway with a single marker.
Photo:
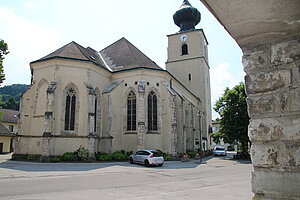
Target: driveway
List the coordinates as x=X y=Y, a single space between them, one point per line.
x=220 y=178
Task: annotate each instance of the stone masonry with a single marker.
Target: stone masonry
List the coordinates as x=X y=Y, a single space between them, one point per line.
x=273 y=89
x=268 y=33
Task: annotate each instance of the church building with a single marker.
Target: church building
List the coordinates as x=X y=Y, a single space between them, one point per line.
x=118 y=98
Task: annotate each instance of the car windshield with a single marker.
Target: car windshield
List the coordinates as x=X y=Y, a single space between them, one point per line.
x=220 y=148
x=156 y=153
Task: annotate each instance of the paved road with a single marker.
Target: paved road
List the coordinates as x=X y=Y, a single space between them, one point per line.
x=220 y=178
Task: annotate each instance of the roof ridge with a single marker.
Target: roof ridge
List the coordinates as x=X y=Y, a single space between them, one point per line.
x=81 y=48
x=125 y=55
x=59 y=51
x=122 y=38
x=140 y=52
x=75 y=51
x=127 y=42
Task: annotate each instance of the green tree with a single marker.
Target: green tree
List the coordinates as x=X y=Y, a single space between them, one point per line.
x=14 y=90
x=3 y=51
x=11 y=103
x=232 y=108
x=10 y=95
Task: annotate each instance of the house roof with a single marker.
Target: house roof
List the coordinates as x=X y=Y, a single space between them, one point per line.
x=9 y=116
x=4 y=131
x=75 y=51
x=122 y=55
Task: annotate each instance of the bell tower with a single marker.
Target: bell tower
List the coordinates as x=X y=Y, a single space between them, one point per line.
x=187 y=56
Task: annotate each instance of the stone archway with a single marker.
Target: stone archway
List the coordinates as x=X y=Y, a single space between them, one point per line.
x=268 y=32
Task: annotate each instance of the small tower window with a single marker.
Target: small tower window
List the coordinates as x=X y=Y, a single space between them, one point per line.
x=184 y=49
x=190 y=77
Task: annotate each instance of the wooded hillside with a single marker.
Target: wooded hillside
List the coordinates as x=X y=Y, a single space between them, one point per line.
x=10 y=95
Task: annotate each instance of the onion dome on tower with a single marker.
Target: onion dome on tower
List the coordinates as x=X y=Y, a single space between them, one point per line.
x=187 y=17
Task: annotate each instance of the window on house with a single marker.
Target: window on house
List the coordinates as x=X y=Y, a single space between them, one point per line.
x=190 y=77
x=131 y=112
x=152 y=111
x=184 y=49
x=11 y=128
x=70 y=110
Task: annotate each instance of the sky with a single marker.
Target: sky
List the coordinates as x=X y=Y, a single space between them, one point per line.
x=34 y=28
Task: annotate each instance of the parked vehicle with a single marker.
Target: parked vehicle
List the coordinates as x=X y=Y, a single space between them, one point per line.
x=220 y=151
x=147 y=157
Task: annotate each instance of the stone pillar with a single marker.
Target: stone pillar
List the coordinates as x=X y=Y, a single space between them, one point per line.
x=184 y=125
x=273 y=90
x=105 y=137
x=180 y=127
x=140 y=115
x=91 y=110
x=92 y=146
x=46 y=147
x=50 y=103
x=48 y=123
x=173 y=149
x=173 y=124
x=91 y=123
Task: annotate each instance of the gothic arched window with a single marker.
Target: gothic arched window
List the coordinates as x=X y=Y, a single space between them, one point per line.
x=131 y=112
x=70 y=110
x=152 y=111
x=184 y=49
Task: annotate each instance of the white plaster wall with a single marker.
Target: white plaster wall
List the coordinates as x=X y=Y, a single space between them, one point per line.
x=6 y=143
x=112 y=108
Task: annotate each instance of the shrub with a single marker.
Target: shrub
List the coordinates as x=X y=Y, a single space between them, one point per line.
x=82 y=153
x=105 y=157
x=68 y=156
x=32 y=157
x=122 y=151
x=129 y=153
x=119 y=155
x=98 y=154
x=191 y=154
x=54 y=159
x=168 y=157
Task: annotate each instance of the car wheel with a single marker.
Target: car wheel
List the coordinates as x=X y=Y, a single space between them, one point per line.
x=147 y=163
x=160 y=165
x=131 y=161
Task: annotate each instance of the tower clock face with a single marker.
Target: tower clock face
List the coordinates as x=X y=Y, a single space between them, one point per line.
x=183 y=38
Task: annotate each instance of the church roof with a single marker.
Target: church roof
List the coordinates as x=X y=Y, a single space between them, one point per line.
x=122 y=55
x=119 y=56
x=111 y=86
x=75 y=51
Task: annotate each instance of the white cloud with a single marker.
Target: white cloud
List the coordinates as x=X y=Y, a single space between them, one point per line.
x=31 y=5
x=220 y=78
x=26 y=42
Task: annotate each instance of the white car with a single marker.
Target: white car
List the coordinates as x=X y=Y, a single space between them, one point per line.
x=220 y=151
x=147 y=157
